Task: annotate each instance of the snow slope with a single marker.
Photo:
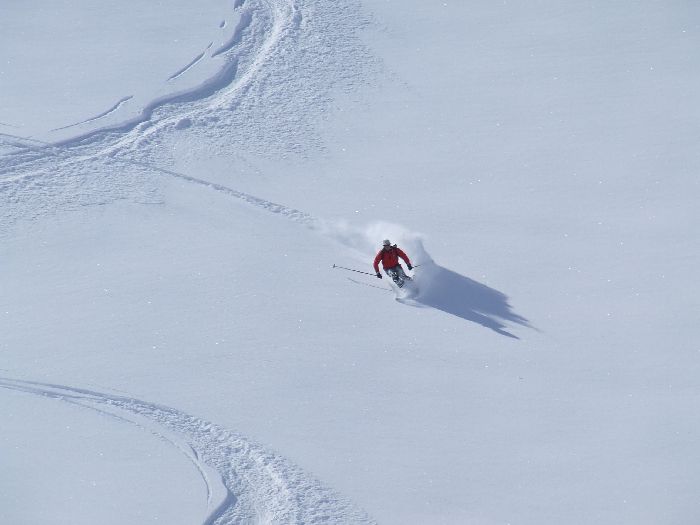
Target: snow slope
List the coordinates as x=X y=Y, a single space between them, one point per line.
x=169 y=299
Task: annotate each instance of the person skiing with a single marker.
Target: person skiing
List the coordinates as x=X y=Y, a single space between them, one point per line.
x=389 y=257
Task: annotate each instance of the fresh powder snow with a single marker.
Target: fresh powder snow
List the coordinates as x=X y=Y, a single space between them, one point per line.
x=181 y=182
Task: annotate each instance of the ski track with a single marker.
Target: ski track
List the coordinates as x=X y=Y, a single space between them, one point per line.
x=263 y=204
x=264 y=23
x=283 y=54
x=245 y=482
x=189 y=66
x=282 y=61
x=109 y=111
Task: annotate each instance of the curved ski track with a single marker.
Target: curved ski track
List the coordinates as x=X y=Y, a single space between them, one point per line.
x=245 y=483
x=265 y=21
x=276 y=58
x=282 y=62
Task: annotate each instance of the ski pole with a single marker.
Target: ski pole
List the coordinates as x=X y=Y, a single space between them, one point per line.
x=351 y=270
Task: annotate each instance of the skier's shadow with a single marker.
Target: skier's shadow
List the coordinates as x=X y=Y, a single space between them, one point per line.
x=463 y=297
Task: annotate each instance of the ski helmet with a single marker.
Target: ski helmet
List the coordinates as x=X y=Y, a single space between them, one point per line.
x=386 y=242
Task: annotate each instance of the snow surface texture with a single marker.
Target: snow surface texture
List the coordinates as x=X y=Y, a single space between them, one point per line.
x=176 y=185
x=269 y=66
x=245 y=483
x=256 y=485
x=436 y=287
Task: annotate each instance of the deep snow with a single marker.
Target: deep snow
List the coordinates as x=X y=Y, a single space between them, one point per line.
x=177 y=346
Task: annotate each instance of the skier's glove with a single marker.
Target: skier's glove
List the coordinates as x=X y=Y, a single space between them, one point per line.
x=379 y=275
x=410 y=267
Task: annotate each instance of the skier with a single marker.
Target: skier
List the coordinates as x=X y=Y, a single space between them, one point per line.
x=389 y=256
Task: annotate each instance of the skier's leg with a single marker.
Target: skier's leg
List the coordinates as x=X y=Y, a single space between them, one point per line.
x=395 y=276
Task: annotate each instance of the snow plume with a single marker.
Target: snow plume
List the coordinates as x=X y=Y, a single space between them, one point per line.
x=365 y=241
x=439 y=287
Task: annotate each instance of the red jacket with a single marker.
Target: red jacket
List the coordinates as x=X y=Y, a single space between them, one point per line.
x=390 y=257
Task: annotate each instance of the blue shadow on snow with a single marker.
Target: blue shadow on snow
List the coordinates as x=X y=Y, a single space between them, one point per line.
x=466 y=298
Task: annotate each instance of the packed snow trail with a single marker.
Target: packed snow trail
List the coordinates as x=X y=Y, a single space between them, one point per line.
x=245 y=482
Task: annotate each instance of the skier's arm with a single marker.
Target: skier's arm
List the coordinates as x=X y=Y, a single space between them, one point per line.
x=376 y=262
x=403 y=256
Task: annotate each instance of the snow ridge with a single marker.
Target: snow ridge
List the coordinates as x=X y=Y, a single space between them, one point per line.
x=189 y=66
x=245 y=482
x=109 y=111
